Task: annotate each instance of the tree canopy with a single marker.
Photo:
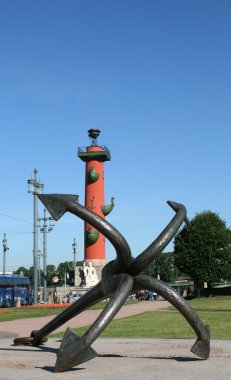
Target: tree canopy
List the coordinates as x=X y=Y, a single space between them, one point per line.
x=164 y=267
x=22 y=271
x=66 y=267
x=202 y=250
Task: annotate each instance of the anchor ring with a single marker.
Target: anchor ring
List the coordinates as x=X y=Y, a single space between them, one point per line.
x=23 y=340
x=28 y=340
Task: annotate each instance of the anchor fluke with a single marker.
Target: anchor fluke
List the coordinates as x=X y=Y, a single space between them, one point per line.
x=72 y=352
x=201 y=347
x=176 y=206
x=57 y=204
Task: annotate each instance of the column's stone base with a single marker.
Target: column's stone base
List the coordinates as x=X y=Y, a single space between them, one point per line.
x=89 y=274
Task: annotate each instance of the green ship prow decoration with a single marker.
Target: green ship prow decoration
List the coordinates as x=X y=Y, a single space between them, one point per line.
x=106 y=209
x=92 y=175
x=91 y=236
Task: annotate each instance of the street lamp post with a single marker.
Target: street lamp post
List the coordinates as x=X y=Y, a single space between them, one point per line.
x=39 y=269
x=35 y=187
x=44 y=230
x=66 y=276
x=5 y=249
x=74 y=250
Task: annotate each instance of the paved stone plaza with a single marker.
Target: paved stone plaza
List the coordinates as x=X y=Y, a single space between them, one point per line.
x=118 y=358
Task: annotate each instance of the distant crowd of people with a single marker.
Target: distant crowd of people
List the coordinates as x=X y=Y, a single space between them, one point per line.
x=146 y=295
x=71 y=296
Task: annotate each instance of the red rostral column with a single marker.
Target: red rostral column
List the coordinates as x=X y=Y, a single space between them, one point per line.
x=94 y=156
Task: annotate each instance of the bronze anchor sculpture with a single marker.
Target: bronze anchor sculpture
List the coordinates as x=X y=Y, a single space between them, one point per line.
x=120 y=278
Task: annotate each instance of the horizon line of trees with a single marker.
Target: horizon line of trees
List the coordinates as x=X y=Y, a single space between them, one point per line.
x=202 y=251
x=66 y=267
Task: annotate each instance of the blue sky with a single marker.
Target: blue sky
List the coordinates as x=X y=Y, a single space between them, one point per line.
x=153 y=76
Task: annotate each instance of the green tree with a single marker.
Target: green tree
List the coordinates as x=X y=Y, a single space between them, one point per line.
x=51 y=273
x=68 y=268
x=22 y=270
x=26 y=272
x=202 y=249
x=78 y=263
x=31 y=275
x=163 y=265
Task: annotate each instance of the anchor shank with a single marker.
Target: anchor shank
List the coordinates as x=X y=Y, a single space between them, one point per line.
x=90 y=298
x=74 y=351
x=202 y=345
x=154 y=249
x=111 y=233
x=58 y=204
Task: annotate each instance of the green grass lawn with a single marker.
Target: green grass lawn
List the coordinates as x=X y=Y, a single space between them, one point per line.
x=168 y=323
x=218 y=303
x=18 y=313
x=11 y=314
